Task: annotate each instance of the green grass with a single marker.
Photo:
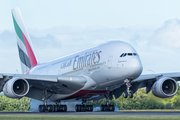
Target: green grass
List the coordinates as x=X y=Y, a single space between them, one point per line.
x=86 y=117
x=170 y=110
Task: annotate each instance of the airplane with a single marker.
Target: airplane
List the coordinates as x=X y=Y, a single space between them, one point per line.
x=102 y=71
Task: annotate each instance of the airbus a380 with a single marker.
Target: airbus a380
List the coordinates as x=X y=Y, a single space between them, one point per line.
x=105 y=70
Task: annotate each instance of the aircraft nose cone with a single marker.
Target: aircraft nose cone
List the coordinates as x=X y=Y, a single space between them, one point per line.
x=135 y=68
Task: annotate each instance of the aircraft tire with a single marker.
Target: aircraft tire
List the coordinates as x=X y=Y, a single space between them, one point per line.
x=107 y=108
x=78 y=108
x=131 y=95
x=102 y=107
x=125 y=94
x=91 y=108
x=111 y=107
x=88 y=108
x=42 y=108
x=50 y=108
x=64 y=108
x=55 y=108
x=83 y=109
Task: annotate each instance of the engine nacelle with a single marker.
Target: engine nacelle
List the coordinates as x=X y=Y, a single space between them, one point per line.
x=165 y=87
x=16 y=88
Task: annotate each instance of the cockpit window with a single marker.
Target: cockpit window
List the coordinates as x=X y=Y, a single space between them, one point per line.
x=122 y=55
x=134 y=54
x=128 y=54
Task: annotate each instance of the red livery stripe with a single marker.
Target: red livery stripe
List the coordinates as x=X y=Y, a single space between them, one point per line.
x=87 y=93
x=31 y=55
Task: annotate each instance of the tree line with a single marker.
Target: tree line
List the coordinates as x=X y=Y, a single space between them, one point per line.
x=141 y=100
x=9 y=104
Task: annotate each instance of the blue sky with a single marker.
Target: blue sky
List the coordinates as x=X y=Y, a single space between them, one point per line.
x=61 y=27
x=43 y=14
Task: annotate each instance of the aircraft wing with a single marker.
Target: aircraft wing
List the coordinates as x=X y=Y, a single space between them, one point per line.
x=52 y=83
x=146 y=81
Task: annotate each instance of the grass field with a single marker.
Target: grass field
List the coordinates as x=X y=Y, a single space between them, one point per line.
x=154 y=110
x=87 y=117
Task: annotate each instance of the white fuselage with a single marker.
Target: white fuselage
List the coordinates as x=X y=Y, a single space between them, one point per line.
x=105 y=66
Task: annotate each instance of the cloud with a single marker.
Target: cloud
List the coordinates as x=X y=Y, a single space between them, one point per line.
x=64 y=40
x=56 y=42
x=9 y=62
x=158 y=49
x=168 y=35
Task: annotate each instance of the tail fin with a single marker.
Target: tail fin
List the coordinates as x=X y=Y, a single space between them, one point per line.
x=26 y=52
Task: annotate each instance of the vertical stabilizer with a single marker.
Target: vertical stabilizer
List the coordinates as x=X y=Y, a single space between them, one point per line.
x=26 y=52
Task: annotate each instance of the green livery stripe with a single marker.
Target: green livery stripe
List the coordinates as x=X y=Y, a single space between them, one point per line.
x=18 y=30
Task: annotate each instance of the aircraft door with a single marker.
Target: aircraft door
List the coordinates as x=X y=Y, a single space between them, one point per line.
x=110 y=58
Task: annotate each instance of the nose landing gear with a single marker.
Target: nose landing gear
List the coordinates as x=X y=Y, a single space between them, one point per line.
x=127 y=92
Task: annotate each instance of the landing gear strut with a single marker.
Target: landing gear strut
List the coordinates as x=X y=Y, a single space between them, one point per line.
x=107 y=107
x=51 y=108
x=83 y=107
x=127 y=92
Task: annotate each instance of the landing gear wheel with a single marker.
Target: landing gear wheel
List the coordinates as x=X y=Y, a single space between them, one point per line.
x=88 y=108
x=49 y=108
x=102 y=107
x=42 y=108
x=55 y=108
x=125 y=94
x=84 y=108
x=107 y=107
x=91 y=108
x=131 y=95
x=111 y=108
x=77 y=108
x=63 y=108
x=58 y=108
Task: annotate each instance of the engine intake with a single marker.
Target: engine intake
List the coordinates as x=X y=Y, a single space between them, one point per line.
x=164 y=87
x=16 y=88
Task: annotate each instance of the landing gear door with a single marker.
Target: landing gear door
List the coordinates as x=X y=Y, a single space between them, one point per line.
x=110 y=58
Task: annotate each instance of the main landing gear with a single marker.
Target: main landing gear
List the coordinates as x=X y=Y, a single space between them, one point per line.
x=51 y=108
x=107 y=107
x=83 y=107
x=127 y=92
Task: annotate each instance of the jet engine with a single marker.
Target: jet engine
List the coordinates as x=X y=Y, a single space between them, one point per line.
x=164 y=87
x=16 y=88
